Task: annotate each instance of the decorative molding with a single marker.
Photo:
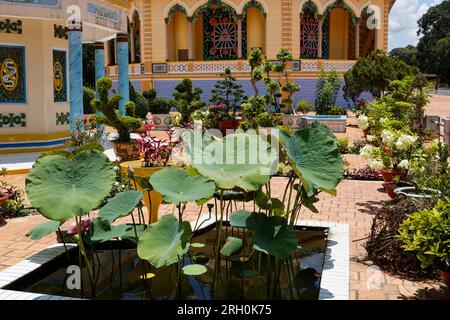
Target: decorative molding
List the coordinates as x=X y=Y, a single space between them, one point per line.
x=62 y=118
x=11 y=26
x=12 y=120
x=60 y=32
x=159 y=67
x=12 y=71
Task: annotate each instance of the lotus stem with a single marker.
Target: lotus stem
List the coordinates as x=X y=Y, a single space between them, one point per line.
x=83 y=252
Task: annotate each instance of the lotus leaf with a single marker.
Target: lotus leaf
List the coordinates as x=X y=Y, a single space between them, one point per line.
x=314 y=156
x=232 y=246
x=194 y=269
x=63 y=188
x=102 y=230
x=271 y=235
x=163 y=242
x=239 y=218
x=176 y=185
x=43 y=230
x=239 y=160
x=121 y=205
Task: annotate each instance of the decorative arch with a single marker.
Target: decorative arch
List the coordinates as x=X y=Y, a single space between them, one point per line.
x=254 y=37
x=176 y=8
x=168 y=10
x=204 y=5
x=305 y=3
x=311 y=6
x=309 y=32
x=260 y=5
x=343 y=5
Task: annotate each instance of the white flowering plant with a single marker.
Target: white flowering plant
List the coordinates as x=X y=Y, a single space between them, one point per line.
x=393 y=151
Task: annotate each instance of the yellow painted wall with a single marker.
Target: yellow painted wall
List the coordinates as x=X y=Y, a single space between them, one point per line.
x=339 y=21
x=255 y=30
x=37 y=37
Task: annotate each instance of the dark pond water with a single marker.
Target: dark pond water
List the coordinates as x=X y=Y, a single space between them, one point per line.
x=120 y=273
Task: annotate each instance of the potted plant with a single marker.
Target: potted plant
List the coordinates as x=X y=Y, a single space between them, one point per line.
x=363 y=123
x=159 y=110
x=3 y=198
x=187 y=100
x=219 y=117
x=124 y=148
x=427 y=233
x=425 y=165
x=156 y=154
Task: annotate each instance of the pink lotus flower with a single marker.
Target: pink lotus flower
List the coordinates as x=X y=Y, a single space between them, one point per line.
x=85 y=226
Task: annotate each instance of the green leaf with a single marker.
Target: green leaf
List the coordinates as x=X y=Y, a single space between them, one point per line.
x=194 y=269
x=102 y=231
x=232 y=246
x=197 y=245
x=163 y=242
x=314 y=156
x=143 y=182
x=63 y=188
x=239 y=160
x=271 y=235
x=262 y=201
x=121 y=205
x=239 y=218
x=176 y=185
x=43 y=230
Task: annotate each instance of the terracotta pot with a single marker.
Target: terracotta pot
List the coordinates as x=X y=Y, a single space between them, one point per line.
x=160 y=121
x=366 y=132
x=445 y=277
x=154 y=201
x=3 y=199
x=126 y=151
x=2 y=218
x=390 y=189
x=225 y=125
x=389 y=175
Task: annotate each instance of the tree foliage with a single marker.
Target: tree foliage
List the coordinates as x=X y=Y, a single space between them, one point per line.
x=227 y=92
x=187 y=99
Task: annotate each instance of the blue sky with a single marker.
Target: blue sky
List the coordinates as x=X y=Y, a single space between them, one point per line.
x=403 y=21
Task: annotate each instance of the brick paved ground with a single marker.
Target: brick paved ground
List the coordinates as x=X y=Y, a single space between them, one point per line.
x=354 y=204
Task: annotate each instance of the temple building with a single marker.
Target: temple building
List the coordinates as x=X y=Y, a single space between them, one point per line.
x=156 y=43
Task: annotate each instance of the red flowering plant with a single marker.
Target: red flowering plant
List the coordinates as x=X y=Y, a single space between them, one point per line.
x=156 y=152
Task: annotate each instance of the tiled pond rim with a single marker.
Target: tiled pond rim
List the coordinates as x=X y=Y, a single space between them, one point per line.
x=334 y=283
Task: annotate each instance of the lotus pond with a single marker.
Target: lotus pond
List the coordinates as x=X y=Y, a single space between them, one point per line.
x=121 y=275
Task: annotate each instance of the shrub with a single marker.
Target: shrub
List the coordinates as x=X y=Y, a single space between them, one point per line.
x=160 y=105
x=267 y=119
x=88 y=96
x=187 y=99
x=140 y=102
x=304 y=106
x=337 y=111
x=427 y=233
x=342 y=145
x=16 y=205
x=327 y=90
x=255 y=106
x=227 y=92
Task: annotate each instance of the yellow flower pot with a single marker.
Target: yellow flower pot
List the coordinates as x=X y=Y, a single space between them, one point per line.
x=154 y=201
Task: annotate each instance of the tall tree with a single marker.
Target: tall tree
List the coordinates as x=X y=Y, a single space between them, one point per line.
x=407 y=55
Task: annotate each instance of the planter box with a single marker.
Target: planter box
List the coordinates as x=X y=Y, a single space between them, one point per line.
x=292 y=121
x=160 y=121
x=334 y=283
x=337 y=124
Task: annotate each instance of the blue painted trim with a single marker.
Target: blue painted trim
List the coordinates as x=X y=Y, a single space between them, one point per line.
x=24 y=62
x=124 y=89
x=33 y=144
x=75 y=76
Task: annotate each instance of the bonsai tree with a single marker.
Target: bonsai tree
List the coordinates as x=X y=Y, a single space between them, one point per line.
x=256 y=61
x=88 y=95
x=284 y=56
x=109 y=107
x=326 y=92
x=187 y=99
x=158 y=105
x=227 y=92
x=373 y=74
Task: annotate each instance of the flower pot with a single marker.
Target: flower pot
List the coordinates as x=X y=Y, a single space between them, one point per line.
x=152 y=199
x=366 y=132
x=389 y=175
x=445 y=277
x=225 y=125
x=161 y=121
x=2 y=218
x=126 y=151
x=389 y=187
x=3 y=198
x=411 y=192
x=292 y=121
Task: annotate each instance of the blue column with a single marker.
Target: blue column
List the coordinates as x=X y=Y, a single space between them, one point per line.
x=75 y=74
x=122 y=56
x=99 y=62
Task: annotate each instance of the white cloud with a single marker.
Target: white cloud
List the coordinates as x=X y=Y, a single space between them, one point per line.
x=403 y=21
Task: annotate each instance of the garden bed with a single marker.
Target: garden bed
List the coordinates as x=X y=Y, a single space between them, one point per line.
x=31 y=279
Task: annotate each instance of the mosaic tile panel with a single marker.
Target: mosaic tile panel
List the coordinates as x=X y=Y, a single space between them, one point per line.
x=62 y=118
x=12 y=74
x=12 y=120
x=59 y=76
x=11 y=26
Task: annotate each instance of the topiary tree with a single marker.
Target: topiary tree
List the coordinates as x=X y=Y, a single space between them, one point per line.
x=140 y=103
x=374 y=73
x=109 y=107
x=88 y=96
x=227 y=92
x=256 y=61
x=187 y=99
x=160 y=105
